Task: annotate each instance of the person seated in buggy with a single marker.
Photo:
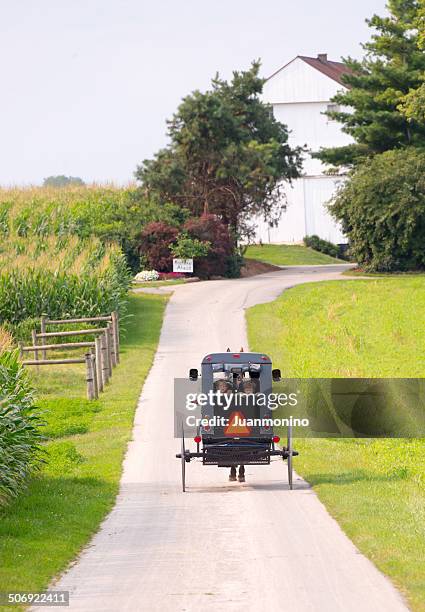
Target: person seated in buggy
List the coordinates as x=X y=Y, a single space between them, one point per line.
x=223 y=386
x=247 y=387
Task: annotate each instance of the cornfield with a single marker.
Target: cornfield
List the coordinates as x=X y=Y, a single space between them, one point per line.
x=20 y=431
x=60 y=277
x=81 y=211
x=57 y=258
x=112 y=214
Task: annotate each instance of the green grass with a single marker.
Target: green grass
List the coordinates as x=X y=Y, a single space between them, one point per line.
x=345 y=328
x=374 y=488
x=360 y=272
x=42 y=531
x=163 y=283
x=289 y=255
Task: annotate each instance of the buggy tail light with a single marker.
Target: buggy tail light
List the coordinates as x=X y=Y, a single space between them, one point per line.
x=236 y=355
x=198 y=439
x=276 y=439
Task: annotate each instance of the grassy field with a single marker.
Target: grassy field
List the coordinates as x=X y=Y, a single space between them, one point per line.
x=374 y=488
x=288 y=255
x=161 y=283
x=42 y=531
x=360 y=272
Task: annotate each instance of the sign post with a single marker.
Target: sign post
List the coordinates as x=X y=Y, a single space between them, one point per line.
x=182 y=265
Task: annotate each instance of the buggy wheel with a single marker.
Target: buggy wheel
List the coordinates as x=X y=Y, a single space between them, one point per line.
x=183 y=460
x=289 y=447
x=198 y=433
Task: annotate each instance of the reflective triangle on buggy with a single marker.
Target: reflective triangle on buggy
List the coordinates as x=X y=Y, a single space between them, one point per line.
x=236 y=427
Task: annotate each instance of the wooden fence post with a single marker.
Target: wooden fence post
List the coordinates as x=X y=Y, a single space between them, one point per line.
x=105 y=363
x=108 y=345
x=21 y=346
x=116 y=330
x=35 y=342
x=89 y=376
x=98 y=353
x=112 y=344
x=43 y=331
x=94 y=370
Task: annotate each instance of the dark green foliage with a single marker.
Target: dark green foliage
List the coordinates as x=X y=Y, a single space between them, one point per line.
x=382 y=211
x=227 y=154
x=234 y=264
x=20 y=431
x=323 y=246
x=393 y=65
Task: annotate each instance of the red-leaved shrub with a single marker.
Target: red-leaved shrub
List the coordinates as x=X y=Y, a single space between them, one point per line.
x=210 y=228
x=155 y=241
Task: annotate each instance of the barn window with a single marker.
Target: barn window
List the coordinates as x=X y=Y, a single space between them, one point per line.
x=332 y=108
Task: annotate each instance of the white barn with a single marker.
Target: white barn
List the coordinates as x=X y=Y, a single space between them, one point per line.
x=300 y=92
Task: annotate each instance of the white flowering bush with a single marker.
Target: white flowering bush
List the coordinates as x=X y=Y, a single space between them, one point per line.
x=147 y=275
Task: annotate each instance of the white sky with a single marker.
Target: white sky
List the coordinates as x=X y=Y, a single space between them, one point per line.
x=87 y=84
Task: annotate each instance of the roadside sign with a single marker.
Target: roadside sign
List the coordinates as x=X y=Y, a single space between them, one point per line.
x=182 y=265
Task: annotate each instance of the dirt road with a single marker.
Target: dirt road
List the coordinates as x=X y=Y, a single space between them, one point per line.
x=220 y=546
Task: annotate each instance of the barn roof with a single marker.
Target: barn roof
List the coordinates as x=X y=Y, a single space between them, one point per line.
x=334 y=70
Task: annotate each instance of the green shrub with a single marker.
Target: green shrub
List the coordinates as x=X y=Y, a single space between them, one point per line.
x=20 y=427
x=188 y=248
x=382 y=211
x=323 y=246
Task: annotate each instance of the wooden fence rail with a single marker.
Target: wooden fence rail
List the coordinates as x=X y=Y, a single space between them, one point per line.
x=102 y=357
x=112 y=319
x=52 y=347
x=82 y=320
x=38 y=362
x=74 y=332
x=91 y=372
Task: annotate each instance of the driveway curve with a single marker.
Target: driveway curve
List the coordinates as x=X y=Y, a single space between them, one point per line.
x=220 y=546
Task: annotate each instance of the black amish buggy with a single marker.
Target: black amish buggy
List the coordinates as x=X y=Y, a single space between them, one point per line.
x=236 y=424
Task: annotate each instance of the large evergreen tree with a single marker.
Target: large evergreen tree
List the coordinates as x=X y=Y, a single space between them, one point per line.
x=393 y=65
x=413 y=105
x=227 y=154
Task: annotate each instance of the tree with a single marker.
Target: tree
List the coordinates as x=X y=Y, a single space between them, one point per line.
x=62 y=181
x=413 y=104
x=393 y=64
x=382 y=211
x=227 y=154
